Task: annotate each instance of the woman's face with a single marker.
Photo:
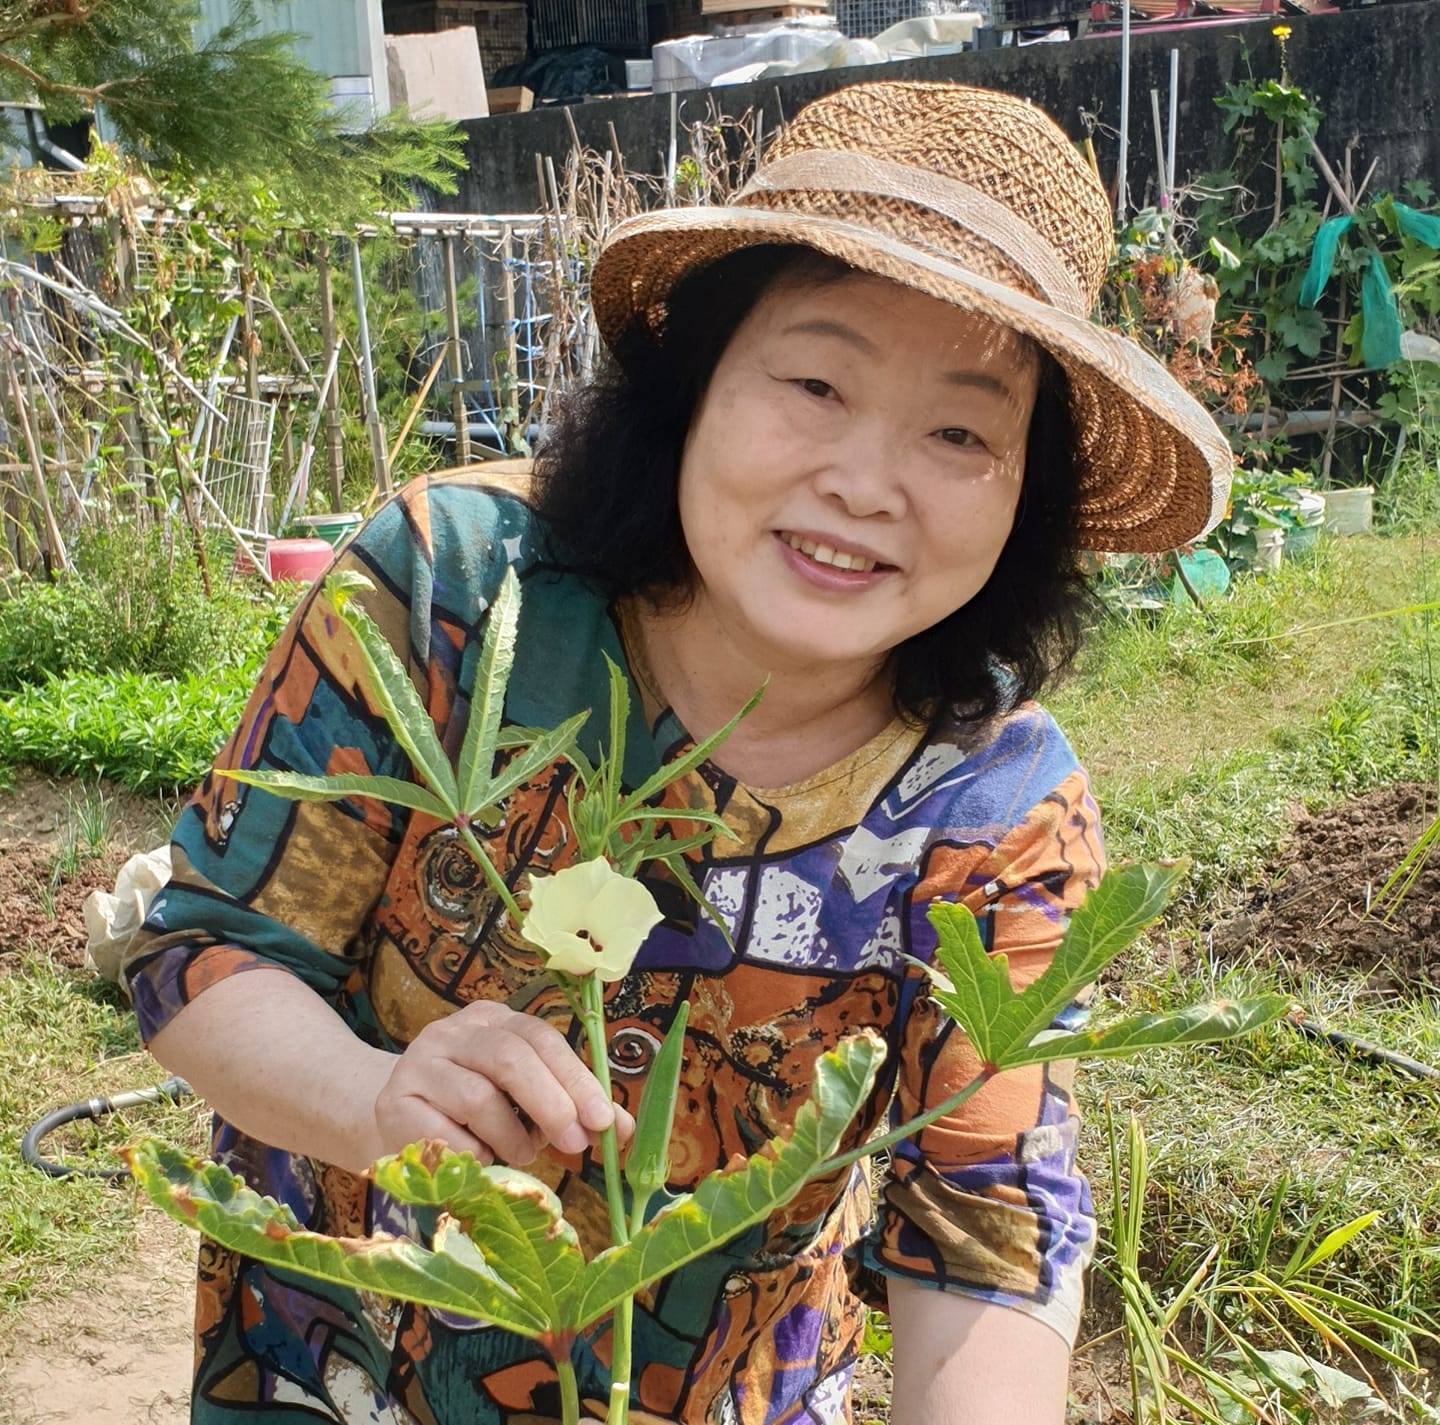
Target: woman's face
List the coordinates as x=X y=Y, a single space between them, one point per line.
x=853 y=469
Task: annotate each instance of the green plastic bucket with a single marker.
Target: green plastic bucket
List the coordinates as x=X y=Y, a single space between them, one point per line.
x=333 y=529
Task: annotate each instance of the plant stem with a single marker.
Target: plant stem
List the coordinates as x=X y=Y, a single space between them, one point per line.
x=593 y=998
x=569 y=1391
x=497 y=881
x=888 y=1140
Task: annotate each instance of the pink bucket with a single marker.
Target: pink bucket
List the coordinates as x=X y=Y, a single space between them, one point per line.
x=298 y=561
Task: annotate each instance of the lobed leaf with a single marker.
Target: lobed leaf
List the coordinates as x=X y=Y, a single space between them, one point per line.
x=213 y=1200
x=546 y=748
x=300 y=787
x=1196 y=1024
x=728 y=1202
x=389 y=684
x=979 y=995
x=513 y=1220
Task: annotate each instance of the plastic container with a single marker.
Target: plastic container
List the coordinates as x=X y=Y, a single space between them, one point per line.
x=1351 y=511
x=335 y=530
x=1269 y=550
x=298 y=561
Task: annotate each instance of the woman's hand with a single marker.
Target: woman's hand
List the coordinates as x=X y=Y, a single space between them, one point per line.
x=497 y=1083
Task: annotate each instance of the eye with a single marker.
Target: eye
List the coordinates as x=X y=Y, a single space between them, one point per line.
x=813 y=386
x=958 y=435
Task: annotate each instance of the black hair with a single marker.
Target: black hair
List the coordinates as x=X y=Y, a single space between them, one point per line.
x=607 y=478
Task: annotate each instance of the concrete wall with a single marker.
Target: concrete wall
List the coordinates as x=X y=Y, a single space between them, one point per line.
x=1375 y=72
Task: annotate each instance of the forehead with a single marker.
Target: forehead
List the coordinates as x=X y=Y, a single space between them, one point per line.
x=888 y=317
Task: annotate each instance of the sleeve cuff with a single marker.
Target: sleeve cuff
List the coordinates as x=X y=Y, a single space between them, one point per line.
x=165 y=981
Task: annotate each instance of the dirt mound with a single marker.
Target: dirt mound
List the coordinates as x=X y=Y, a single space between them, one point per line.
x=1316 y=912
x=44 y=909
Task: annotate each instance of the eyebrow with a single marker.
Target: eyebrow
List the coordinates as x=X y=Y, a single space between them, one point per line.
x=827 y=326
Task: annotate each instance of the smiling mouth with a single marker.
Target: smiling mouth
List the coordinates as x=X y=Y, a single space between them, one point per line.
x=831 y=557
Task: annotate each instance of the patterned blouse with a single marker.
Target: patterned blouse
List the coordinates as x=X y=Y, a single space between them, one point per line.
x=824 y=890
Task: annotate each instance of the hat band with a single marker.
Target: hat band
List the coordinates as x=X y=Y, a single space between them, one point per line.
x=844 y=171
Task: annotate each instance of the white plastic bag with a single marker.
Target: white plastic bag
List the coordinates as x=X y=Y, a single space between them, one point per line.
x=112 y=919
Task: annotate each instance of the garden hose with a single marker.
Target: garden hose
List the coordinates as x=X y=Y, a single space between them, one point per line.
x=1364 y=1049
x=171 y=1091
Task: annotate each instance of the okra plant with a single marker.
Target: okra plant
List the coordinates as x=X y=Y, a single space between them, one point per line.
x=502 y=1251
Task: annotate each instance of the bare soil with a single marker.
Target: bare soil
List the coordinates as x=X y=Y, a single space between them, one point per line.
x=1318 y=910
x=118 y=1355
x=39 y=907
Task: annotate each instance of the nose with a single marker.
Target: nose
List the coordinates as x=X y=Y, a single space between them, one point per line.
x=862 y=476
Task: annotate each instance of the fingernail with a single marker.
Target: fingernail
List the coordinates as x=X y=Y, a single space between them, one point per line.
x=573 y=1140
x=597 y=1115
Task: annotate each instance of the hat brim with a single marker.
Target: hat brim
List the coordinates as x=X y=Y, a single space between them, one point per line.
x=1154 y=468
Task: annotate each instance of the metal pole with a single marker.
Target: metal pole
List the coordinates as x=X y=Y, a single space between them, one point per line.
x=1174 y=118
x=457 y=366
x=367 y=375
x=334 y=440
x=1122 y=195
x=1164 y=173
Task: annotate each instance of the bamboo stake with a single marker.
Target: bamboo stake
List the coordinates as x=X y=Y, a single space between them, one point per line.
x=419 y=401
x=458 y=410
x=334 y=440
x=54 y=546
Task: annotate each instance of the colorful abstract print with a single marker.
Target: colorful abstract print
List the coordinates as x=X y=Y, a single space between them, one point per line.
x=824 y=889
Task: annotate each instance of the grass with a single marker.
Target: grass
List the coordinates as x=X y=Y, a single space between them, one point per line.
x=1206 y=736
x=67 y=1037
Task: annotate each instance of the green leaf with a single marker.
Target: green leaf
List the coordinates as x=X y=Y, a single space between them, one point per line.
x=217 y=1203
x=487 y=699
x=728 y=1202
x=299 y=787
x=1334 y=1241
x=647 y=1166
x=1195 y=1024
x=390 y=685
x=513 y=1220
x=547 y=747
x=681 y=766
x=974 y=988
x=1001 y=1024
x=1225 y=256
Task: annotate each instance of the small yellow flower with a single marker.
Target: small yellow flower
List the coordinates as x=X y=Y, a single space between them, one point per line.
x=589 y=919
x=1281 y=33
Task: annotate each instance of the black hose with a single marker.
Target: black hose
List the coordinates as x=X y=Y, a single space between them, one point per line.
x=171 y=1091
x=1364 y=1049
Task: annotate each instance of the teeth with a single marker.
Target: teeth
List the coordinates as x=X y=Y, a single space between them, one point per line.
x=823 y=554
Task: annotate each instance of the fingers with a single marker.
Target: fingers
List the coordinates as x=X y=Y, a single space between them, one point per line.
x=485 y=1109
x=415 y=1119
x=535 y=1066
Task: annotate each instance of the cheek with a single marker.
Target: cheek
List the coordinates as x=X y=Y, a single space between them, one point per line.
x=966 y=525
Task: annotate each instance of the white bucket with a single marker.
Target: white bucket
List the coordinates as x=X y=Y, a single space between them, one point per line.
x=1269 y=550
x=1350 y=511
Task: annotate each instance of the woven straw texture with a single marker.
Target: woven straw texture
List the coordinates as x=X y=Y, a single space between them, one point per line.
x=1154 y=468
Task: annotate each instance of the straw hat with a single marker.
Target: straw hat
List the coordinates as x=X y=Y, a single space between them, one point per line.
x=979 y=199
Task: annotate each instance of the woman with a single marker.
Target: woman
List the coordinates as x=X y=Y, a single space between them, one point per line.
x=857 y=430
